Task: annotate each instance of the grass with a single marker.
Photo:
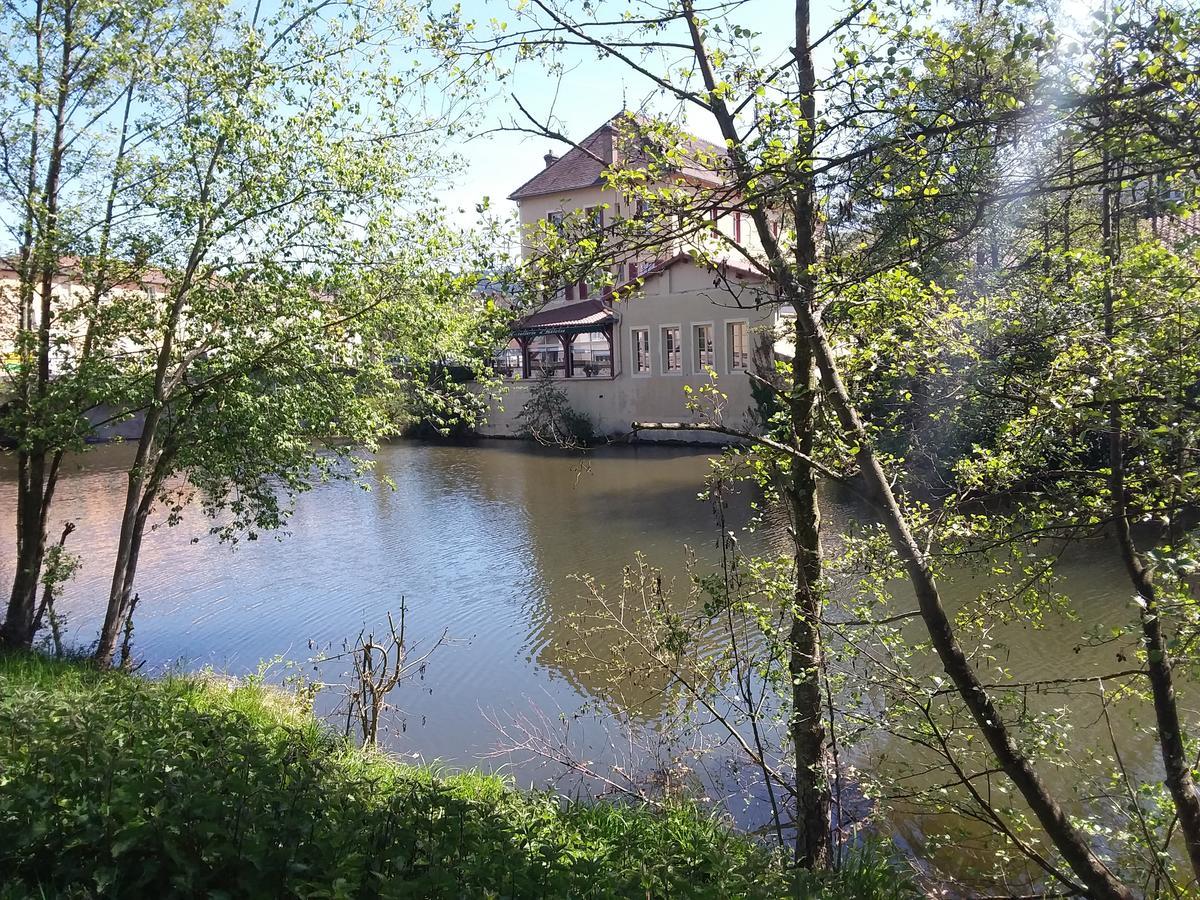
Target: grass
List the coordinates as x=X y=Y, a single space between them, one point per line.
x=118 y=786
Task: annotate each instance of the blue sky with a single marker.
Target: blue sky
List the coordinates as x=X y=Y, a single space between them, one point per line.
x=590 y=90
x=587 y=92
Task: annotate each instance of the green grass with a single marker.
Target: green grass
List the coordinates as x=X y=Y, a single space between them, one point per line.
x=118 y=786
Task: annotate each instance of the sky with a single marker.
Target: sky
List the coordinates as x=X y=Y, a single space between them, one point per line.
x=590 y=91
x=587 y=93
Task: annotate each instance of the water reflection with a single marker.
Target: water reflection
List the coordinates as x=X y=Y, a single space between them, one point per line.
x=481 y=541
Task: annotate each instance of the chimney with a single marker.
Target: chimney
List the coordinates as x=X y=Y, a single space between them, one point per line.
x=550 y=159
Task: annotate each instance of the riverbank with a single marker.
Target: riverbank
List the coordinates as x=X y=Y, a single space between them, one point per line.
x=120 y=786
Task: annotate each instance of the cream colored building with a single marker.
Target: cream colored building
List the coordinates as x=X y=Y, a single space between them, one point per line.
x=625 y=350
x=73 y=293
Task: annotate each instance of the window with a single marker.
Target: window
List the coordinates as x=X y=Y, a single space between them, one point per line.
x=570 y=292
x=633 y=270
x=737 y=227
x=672 y=352
x=641 y=351
x=703 y=335
x=556 y=220
x=596 y=215
x=583 y=290
x=737 y=346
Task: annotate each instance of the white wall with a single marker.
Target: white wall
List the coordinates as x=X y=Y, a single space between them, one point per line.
x=683 y=296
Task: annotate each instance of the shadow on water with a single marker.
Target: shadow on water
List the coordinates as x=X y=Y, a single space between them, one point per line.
x=482 y=540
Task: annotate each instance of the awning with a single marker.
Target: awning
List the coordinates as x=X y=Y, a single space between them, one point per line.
x=574 y=318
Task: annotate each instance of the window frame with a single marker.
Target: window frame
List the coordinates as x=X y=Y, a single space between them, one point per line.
x=662 y=340
x=729 y=367
x=633 y=347
x=697 y=368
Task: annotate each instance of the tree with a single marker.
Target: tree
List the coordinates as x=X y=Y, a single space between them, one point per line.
x=73 y=76
x=864 y=164
x=254 y=291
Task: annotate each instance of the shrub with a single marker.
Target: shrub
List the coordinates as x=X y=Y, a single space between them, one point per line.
x=548 y=418
x=112 y=785
x=115 y=786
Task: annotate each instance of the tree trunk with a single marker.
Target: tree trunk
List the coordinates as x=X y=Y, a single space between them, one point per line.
x=1067 y=838
x=37 y=468
x=139 y=499
x=804 y=664
x=1177 y=770
x=807 y=726
x=18 y=628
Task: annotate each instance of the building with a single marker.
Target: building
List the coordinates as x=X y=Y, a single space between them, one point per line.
x=624 y=349
x=75 y=296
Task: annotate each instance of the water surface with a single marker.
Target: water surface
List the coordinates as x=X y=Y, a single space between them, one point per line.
x=481 y=542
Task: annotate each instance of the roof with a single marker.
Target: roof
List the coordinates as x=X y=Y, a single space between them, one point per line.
x=620 y=140
x=586 y=315
x=72 y=267
x=1176 y=231
x=593 y=314
x=724 y=270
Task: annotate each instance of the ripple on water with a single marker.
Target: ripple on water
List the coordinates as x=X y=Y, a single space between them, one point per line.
x=481 y=541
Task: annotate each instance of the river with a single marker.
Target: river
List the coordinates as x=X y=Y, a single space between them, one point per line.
x=481 y=542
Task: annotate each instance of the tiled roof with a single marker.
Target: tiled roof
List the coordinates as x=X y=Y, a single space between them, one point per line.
x=70 y=267
x=619 y=140
x=1176 y=231
x=582 y=316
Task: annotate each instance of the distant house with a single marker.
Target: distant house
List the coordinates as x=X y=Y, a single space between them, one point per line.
x=73 y=290
x=673 y=320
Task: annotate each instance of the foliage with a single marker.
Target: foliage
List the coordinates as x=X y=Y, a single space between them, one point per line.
x=952 y=210
x=113 y=785
x=258 y=265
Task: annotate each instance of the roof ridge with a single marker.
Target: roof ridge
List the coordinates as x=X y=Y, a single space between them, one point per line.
x=576 y=147
x=555 y=177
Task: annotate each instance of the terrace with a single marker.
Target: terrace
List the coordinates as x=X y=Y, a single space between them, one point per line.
x=571 y=341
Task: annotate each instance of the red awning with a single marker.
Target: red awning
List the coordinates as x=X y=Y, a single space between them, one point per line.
x=574 y=318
